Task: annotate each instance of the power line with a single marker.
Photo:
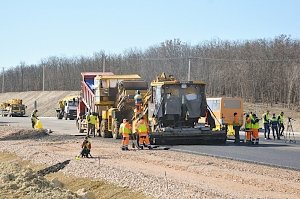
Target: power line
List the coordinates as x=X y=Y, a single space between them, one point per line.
x=212 y=59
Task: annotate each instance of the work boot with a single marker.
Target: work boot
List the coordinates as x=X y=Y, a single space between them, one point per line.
x=150 y=147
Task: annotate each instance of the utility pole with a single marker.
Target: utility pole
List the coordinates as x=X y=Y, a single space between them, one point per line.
x=43 y=77
x=103 y=64
x=3 y=80
x=189 y=70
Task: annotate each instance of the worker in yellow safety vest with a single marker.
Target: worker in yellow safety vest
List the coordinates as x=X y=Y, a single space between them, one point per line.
x=143 y=131
x=125 y=130
x=34 y=118
x=281 y=125
x=266 y=121
x=91 y=120
x=255 y=127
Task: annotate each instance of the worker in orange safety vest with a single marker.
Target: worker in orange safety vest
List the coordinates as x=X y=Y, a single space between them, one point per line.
x=248 y=128
x=125 y=129
x=143 y=131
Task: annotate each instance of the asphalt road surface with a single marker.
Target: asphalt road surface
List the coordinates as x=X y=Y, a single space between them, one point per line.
x=270 y=152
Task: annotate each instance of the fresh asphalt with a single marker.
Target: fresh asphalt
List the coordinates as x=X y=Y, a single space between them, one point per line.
x=278 y=153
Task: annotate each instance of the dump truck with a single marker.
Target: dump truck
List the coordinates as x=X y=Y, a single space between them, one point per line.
x=13 y=108
x=110 y=97
x=67 y=108
x=173 y=109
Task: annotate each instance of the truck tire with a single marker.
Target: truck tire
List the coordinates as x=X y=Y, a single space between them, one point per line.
x=59 y=116
x=78 y=124
x=115 y=130
x=104 y=129
x=65 y=116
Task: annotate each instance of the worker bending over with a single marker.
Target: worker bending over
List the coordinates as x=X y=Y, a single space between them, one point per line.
x=34 y=118
x=86 y=148
x=143 y=131
x=125 y=129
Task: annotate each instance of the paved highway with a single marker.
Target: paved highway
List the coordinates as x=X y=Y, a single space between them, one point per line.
x=268 y=152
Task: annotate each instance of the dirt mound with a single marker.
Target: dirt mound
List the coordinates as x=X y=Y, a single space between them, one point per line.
x=25 y=183
x=12 y=133
x=47 y=101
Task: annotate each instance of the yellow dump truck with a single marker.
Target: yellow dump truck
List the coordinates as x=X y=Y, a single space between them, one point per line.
x=13 y=108
x=110 y=97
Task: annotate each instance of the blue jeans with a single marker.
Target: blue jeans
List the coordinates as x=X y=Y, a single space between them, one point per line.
x=267 y=129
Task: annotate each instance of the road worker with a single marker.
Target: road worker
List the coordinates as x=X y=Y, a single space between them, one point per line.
x=125 y=129
x=274 y=125
x=143 y=131
x=91 y=120
x=236 y=127
x=86 y=148
x=34 y=118
x=280 y=124
x=266 y=121
x=248 y=128
x=138 y=100
x=255 y=127
x=61 y=106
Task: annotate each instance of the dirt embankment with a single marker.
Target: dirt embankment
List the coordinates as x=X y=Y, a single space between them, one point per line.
x=31 y=177
x=47 y=101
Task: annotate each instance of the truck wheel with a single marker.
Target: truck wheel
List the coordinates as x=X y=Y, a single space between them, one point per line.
x=104 y=129
x=78 y=124
x=115 y=130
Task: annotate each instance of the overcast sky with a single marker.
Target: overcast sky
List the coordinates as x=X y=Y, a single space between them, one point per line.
x=34 y=29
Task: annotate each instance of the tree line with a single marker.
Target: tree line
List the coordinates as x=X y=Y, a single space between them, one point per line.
x=262 y=70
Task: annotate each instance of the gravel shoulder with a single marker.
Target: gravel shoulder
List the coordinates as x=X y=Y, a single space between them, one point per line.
x=155 y=173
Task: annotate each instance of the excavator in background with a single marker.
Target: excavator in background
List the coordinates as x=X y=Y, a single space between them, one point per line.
x=173 y=108
x=13 y=108
x=110 y=97
x=67 y=108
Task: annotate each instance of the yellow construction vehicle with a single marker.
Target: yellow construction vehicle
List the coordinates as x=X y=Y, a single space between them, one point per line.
x=223 y=109
x=3 y=109
x=13 y=108
x=173 y=109
x=111 y=98
x=67 y=108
